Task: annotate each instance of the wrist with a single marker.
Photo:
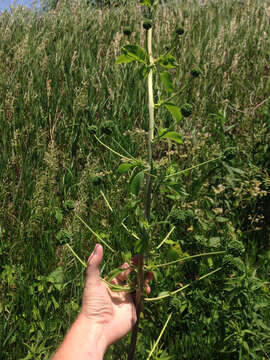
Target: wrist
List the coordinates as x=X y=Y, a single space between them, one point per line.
x=85 y=341
x=94 y=339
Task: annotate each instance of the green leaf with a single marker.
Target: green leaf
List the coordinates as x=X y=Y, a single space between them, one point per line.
x=167 y=62
x=143 y=71
x=167 y=81
x=57 y=278
x=136 y=182
x=113 y=273
x=58 y=216
x=221 y=219
x=135 y=52
x=123 y=59
x=174 y=110
x=148 y=3
x=214 y=241
x=123 y=168
x=172 y=135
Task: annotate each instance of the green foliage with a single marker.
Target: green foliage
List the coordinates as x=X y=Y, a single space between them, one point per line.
x=93 y=129
x=58 y=83
x=235 y=248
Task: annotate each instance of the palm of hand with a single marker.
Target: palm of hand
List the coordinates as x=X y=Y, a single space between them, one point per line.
x=114 y=311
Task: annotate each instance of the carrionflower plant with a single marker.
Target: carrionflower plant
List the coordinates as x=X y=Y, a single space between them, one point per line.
x=144 y=172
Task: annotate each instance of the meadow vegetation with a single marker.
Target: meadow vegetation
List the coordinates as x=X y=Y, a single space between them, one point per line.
x=60 y=91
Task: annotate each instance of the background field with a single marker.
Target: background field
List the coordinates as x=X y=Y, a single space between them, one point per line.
x=58 y=77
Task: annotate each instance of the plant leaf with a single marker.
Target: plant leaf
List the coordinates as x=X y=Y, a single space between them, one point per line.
x=113 y=273
x=143 y=71
x=135 y=52
x=123 y=168
x=174 y=110
x=123 y=59
x=56 y=278
x=148 y=3
x=167 y=62
x=167 y=81
x=172 y=135
x=136 y=182
x=221 y=219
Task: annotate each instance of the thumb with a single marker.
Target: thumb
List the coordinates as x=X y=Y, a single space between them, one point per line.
x=92 y=271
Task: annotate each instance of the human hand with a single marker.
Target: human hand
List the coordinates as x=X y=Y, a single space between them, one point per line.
x=113 y=312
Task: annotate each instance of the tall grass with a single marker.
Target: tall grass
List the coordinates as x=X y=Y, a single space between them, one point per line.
x=58 y=77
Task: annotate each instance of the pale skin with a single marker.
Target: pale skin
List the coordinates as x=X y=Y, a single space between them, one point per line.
x=105 y=316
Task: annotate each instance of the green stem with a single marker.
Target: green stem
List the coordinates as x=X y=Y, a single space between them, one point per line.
x=148 y=198
x=76 y=256
x=158 y=339
x=166 y=237
x=113 y=151
x=113 y=287
x=184 y=287
x=186 y=258
x=94 y=233
x=193 y=167
x=106 y=201
x=124 y=149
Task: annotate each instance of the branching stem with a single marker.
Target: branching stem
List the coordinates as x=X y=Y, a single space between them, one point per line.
x=148 y=197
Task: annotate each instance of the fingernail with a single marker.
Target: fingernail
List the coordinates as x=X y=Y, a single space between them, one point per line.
x=95 y=250
x=93 y=253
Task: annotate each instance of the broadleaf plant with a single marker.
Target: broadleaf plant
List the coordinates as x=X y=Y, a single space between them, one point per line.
x=145 y=174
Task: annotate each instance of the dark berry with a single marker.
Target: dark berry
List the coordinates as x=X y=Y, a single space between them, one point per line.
x=127 y=31
x=186 y=110
x=108 y=127
x=147 y=24
x=180 y=31
x=97 y=180
x=196 y=72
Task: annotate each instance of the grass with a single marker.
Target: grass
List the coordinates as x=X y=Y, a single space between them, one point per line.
x=57 y=78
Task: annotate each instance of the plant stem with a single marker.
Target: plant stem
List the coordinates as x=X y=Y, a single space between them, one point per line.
x=148 y=197
x=184 y=287
x=188 y=258
x=158 y=339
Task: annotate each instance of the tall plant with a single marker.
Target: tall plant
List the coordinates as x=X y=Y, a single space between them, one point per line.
x=145 y=172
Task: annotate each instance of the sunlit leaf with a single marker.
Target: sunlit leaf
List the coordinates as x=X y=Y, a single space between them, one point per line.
x=167 y=81
x=123 y=59
x=173 y=136
x=135 y=52
x=168 y=62
x=174 y=110
x=123 y=168
x=136 y=183
x=148 y=3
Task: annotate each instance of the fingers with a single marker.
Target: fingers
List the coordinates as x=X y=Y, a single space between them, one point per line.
x=120 y=278
x=149 y=277
x=92 y=271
